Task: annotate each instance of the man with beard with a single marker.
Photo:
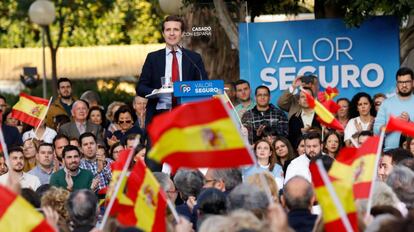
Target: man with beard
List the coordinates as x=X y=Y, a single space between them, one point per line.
x=94 y=162
x=59 y=142
x=62 y=105
x=399 y=105
x=3 y=166
x=16 y=171
x=44 y=160
x=71 y=176
x=243 y=92
x=300 y=165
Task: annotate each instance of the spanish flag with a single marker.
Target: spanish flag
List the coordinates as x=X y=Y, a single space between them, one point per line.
x=150 y=201
x=329 y=94
x=17 y=215
x=122 y=202
x=356 y=166
x=336 y=200
x=199 y=134
x=324 y=115
x=399 y=125
x=30 y=110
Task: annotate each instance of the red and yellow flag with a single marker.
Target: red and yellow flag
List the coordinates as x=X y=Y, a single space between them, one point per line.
x=356 y=166
x=324 y=115
x=30 y=109
x=329 y=94
x=399 y=125
x=149 y=199
x=122 y=202
x=199 y=134
x=338 y=207
x=18 y=215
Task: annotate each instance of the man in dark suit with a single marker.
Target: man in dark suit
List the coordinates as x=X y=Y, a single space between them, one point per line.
x=80 y=125
x=172 y=61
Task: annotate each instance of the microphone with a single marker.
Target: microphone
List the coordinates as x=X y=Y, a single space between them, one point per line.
x=191 y=60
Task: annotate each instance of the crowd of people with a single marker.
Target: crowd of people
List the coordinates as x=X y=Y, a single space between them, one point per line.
x=63 y=166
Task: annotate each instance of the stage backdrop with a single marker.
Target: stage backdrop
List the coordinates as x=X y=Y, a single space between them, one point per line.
x=351 y=59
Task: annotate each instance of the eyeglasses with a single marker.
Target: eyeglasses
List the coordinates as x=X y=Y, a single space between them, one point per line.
x=172 y=191
x=127 y=121
x=378 y=103
x=262 y=95
x=404 y=82
x=208 y=181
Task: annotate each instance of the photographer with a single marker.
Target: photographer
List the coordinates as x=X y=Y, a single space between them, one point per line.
x=289 y=100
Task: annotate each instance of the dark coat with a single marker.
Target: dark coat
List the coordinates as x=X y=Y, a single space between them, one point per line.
x=154 y=69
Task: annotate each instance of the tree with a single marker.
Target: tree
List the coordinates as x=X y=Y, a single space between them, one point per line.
x=80 y=23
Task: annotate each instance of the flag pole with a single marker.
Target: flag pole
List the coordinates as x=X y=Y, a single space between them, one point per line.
x=374 y=175
x=44 y=115
x=173 y=210
x=335 y=198
x=354 y=142
x=266 y=188
x=118 y=185
x=232 y=106
x=4 y=146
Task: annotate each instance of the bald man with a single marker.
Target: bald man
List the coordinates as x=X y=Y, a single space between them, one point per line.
x=298 y=197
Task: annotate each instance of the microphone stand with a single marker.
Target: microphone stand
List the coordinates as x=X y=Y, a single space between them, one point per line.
x=191 y=60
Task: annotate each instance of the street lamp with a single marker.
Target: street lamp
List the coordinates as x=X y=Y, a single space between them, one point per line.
x=42 y=12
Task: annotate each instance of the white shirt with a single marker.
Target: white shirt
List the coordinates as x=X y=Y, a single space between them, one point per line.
x=299 y=167
x=307 y=118
x=26 y=181
x=350 y=128
x=164 y=101
x=47 y=136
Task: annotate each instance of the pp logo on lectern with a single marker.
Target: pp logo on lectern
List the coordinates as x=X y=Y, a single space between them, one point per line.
x=185 y=88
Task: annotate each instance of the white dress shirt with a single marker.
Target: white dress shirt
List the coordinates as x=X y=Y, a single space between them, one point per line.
x=299 y=167
x=164 y=101
x=26 y=181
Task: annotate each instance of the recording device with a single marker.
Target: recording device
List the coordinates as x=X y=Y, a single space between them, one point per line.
x=307 y=79
x=191 y=60
x=30 y=77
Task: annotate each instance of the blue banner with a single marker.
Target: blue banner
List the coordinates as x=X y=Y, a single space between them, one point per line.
x=198 y=88
x=351 y=59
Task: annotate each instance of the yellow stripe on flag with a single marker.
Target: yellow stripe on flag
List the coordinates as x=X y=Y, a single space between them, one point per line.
x=360 y=171
x=29 y=107
x=323 y=113
x=147 y=201
x=345 y=195
x=219 y=135
x=122 y=198
x=20 y=217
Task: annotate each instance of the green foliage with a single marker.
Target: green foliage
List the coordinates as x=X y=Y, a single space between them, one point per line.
x=257 y=8
x=84 y=22
x=356 y=11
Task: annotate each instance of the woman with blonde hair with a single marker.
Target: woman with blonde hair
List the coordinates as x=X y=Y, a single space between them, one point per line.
x=266 y=181
x=56 y=199
x=29 y=151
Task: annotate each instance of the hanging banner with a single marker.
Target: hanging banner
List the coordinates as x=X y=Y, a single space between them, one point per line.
x=351 y=59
